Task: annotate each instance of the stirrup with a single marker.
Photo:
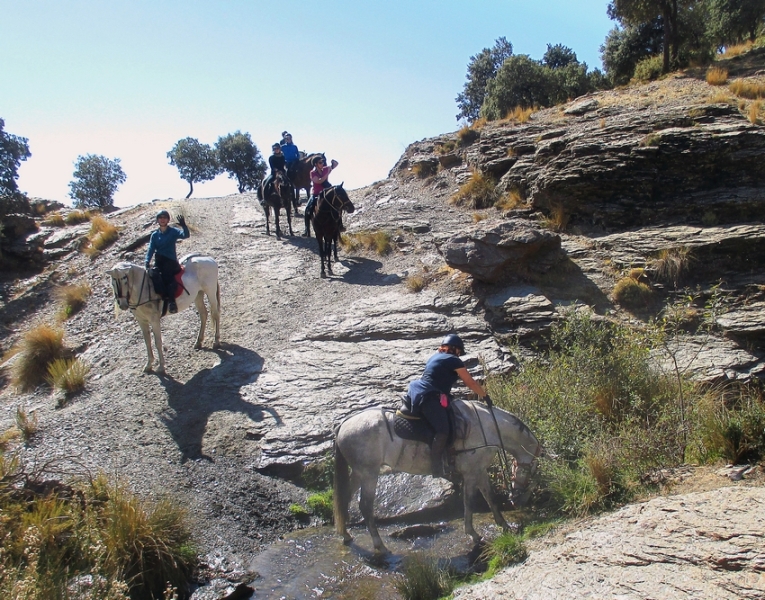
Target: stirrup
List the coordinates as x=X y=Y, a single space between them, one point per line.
x=172 y=308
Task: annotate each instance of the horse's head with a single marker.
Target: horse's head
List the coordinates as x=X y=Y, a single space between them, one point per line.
x=347 y=205
x=523 y=475
x=120 y=275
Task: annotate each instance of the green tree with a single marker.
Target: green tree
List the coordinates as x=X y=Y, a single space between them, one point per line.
x=242 y=159
x=520 y=81
x=559 y=56
x=482 y=68
x=13 y=150
x=196 y=162
x=626 y=47
x=733 y=21
x=96 y=179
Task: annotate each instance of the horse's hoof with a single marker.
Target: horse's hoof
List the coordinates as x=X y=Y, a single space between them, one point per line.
x=347 y=539
x=147 y=370
x=160 y=370
x=216 y=345
x=198 y=346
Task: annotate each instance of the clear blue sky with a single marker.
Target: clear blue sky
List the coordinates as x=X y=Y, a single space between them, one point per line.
x=357 y=80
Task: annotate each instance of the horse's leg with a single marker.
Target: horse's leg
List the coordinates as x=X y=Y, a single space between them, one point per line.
x=277 y=210
x=485 y=486
x=367 y=508
x=267 y=211
x=289 y=217
x=215 y=310
x=320 y=239
x=157 y=328
x=144 y=325
x=334 y=240
x=469 y=487
x=328 y=253
x=202 y=309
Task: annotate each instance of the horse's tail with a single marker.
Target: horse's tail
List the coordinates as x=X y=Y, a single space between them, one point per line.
x=342 y=494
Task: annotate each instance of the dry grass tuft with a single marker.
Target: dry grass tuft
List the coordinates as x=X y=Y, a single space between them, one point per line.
x=631 y=293
x=750 y=89
x=26 y=425
x=520 y=114
x=446 y=147
x=736 y=50
x=671 y=264
x=39 y=347
x=72 y=298
x=753 y=114
x=557 y=220
x=652 y=139
x=602 y=123
x=54 y=220
x=717 y=76
x=376 y=241
x=67 y=375
x=467 y=135
x=77 y=216
x=424 y=169
x=720 y=97
x=102 y=235
x=478 y=217
x=510 y=201
x=477 y=193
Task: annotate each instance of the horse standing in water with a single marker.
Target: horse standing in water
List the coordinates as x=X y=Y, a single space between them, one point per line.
x=276 y=194
x=366 y=441
x=134 y=290
x=326 y=221
x=301 y=178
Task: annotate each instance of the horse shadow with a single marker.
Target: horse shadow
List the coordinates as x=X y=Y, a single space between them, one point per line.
x=211 y=390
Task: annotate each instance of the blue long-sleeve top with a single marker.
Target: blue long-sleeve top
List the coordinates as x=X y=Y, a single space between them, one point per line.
x=291 y=152
x=164 y=243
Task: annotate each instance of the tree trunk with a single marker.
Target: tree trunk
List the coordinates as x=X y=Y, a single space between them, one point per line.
x=667 y=36
x=191 y=189
x=675 y=34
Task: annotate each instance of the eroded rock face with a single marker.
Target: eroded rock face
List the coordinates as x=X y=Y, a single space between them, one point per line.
x=701 y=545
x=490 y=253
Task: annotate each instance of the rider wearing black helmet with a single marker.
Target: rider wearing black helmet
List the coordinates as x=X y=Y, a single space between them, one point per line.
x=431 y=394
x=162 y=247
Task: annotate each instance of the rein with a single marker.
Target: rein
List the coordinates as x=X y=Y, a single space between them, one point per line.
x=330 y=202
x=140 y=291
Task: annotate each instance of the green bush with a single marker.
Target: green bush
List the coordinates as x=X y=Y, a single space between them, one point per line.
x=424 y=579
x=320 y=504
x=649 y=69
x=508 y=549
x=631 y=293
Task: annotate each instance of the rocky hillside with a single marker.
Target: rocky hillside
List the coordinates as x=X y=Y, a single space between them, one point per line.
x=594 y=189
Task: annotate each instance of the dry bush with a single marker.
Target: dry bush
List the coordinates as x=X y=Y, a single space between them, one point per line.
x=54 y=220
x=27 y=426
x=424 y=169
x=720 y=97
x=519 y=114
x=467 y=135
x=376 y=241
x=510 y=200
x=415 y=282
x=652 y=139
x=102 y=235
x=717 y=76
x=446 y=147
x=671 y=264
x=557 y=220
x=737 y=50
x=632 y=293
x=753 y=90
x=67 y=375
x=77 y=216
x=478 y=217
x=72 y=298
x=753 y=114
x=478 y=192
x=39 y=347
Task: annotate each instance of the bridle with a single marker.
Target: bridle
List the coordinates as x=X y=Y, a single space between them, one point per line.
x=334 y=202
x=124 y=280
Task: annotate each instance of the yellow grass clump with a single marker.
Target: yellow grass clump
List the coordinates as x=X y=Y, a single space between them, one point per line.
x=510 y=200
x=671 y=264
x=54 y=220
x=72 y=298
x=558 y=218
x=478 y=192
x=753 y=114
x=102 y=235
x=467 y=135
x=631 y=293
x=77 y=216
x=26 y=425
x=717 y=76
x=375 y=241
x=39 y=347
x=424 y=169
x=519 y=114
x=67 y=375
x=736 y=50
x=751 y=89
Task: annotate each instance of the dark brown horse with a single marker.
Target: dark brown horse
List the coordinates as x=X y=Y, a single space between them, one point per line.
x=301 y=178
x=326 y=221
x=277 y=194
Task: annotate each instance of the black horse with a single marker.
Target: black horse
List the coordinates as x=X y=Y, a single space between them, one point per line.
x=301 y=176
x=326 y=221
x=276 y=193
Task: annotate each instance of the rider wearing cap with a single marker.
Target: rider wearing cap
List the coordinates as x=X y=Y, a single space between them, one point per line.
x=291 y=154
x=162 y=247
x=431 y=394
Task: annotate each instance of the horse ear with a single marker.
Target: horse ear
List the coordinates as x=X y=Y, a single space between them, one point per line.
x=341 y=185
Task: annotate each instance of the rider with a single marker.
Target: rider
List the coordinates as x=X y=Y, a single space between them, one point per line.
x=291 y=154
x=277 y=163
x=162 y=247
x=430 y=395
x=319 y=180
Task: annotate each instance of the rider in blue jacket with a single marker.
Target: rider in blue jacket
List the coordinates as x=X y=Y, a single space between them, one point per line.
x=162 y=247
x=431 y=394
x=291 y=154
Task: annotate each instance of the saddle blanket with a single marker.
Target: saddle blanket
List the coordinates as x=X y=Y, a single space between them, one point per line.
x=418 y=430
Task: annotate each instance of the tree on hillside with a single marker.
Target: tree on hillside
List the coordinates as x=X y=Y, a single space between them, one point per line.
x=625 y=47
x=733 y=21
x=96 y=179
x=637 y=12
x=520 y=81
x=481 y=69
x=13 y=150
x=242 y=159
x=196 y=162
x=559 y=56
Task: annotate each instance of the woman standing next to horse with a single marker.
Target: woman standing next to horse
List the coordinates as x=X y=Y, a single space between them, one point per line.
x=320 y=182
x=431 y=394
x=162 y=247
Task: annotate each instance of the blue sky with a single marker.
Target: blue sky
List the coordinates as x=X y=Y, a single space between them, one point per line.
x=357 y=80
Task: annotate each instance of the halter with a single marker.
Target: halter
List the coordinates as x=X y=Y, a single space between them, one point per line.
x=332 y=201
x=117 y=288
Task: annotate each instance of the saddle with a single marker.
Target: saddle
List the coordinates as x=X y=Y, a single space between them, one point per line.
x=159 y=286
x=410 y=427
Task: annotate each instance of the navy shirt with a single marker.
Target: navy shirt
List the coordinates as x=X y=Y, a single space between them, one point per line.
x=164 y=243
x=439 y=376
x=291 y=152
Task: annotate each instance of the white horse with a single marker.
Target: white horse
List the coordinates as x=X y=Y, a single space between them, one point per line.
x=365 y=442
x=134 y=290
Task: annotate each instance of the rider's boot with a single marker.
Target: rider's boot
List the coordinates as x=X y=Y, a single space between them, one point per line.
x=307 y=232
x=437 y=454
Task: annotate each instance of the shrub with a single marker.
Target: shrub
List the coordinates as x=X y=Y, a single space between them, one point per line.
x=717 y=76
x=320 y=504
x=467 y=135
x=753 y=90
x=72 y=298
x=76 y=217
x=631 y=293
x=510 y=200
x=298 y=511
x=416 y=282
x=423 y=579
x=651 y=140
x=557 y=220
x=520 y=114
x=649 y=69
x=38 y=348
x=27 y=426
x=424 y=169
x=753 y=114
x=67 y=375
x=671 y=264
x=102 y=235
x=508 y=549
x=54 y=220
x=376 y=241
x=478 y=192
